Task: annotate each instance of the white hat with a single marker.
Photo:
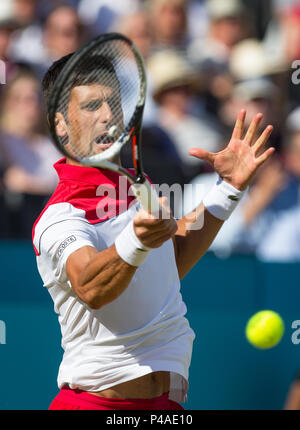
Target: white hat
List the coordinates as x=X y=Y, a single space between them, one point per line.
x=168 y=69
x=218 y=9
x=249 y=59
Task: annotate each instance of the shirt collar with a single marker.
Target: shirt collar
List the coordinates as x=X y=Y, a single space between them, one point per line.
x=89 y=175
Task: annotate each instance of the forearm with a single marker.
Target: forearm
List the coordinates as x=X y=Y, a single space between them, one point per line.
x=99 y=278
x=196 y=232
x=104 y=278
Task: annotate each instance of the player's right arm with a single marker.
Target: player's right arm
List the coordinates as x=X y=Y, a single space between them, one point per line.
x=99 y=278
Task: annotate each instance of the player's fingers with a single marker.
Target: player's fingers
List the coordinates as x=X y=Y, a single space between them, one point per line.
x=251 y=132
x=239 y=125
x=145 y=223
x=265 y=156
x=151 y=237
x=144 y=218
x=261 y=141
x=168 y=225
x=156 y=241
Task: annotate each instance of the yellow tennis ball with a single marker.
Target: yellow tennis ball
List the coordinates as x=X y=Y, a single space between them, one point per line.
x=265 y=329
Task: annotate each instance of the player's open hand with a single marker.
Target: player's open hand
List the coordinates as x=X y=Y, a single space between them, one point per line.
x=239 y=161
x=154 y=230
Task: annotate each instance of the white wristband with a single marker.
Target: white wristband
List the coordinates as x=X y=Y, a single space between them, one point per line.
x=130 y=248
x=222 y=199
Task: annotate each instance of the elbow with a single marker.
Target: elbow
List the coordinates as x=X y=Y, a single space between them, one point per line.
x=93 y=304
x=94 y=298
x=88 y=296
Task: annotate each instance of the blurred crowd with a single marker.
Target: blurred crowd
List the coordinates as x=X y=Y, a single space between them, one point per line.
x=205 y=60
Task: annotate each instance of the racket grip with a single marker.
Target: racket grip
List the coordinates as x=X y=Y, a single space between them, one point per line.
x=147 y=196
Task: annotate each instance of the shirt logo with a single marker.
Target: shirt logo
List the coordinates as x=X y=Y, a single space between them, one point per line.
x=64 y=244
x=234 y=198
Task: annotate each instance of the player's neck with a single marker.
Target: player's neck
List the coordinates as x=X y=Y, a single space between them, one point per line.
x=73 y=162
x=76 y=163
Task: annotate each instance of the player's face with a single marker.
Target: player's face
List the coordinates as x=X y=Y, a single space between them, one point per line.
x=92 y=110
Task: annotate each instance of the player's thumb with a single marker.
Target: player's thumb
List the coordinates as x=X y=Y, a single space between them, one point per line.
x=202 y=154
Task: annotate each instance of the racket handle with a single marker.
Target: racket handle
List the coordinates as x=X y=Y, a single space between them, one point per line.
x=147 y=196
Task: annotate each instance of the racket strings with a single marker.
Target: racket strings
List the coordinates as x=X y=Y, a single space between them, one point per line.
x=99 y=99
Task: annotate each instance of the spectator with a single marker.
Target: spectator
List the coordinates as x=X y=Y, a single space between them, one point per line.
x=160 y=161
x=255 y=95
x=281 y=242
x=136 y=26
x=174 y=85
x=250 y=59
x=246 y=226
x=290 y=31
x=229 y=24
x=25 y=11
x=292 y=401
x=4 y=224
x=8 y=24
x=27 y=154
x=169 y=24
x=61 y=34
x=250 y=221
x=101 y=15
x=267 y=221
x=26 y=43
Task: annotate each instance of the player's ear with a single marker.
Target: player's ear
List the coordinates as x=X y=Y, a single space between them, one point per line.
x=60 y=125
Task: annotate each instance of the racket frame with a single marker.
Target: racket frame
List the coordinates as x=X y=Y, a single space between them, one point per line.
x=142 y=188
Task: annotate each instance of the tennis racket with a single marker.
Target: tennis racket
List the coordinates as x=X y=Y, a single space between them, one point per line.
x=96 y=107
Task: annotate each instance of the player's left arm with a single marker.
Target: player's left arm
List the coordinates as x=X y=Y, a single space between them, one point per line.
x=236 y=165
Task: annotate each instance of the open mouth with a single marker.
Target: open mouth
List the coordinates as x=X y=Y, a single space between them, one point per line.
x=104 y=141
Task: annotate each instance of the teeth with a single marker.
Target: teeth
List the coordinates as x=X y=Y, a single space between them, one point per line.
x=103 y=140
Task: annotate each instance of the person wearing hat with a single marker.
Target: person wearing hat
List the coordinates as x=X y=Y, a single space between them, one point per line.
x=258 y=94
x=169 y=23
x=61 y=33
x=281 y=242
x=175 y=84
x=245 y=230
x=267 y=219
x=229 y=24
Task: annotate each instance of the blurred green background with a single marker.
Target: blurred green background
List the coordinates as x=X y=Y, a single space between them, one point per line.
x=226 y=372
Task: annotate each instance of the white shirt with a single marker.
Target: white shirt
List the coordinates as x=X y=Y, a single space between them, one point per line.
x=144 y=330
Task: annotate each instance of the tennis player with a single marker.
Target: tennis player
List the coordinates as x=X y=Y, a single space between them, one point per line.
x=114 y=275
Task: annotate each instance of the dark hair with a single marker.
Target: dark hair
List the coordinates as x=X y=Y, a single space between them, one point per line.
x=86 y=73
x=52 y=74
